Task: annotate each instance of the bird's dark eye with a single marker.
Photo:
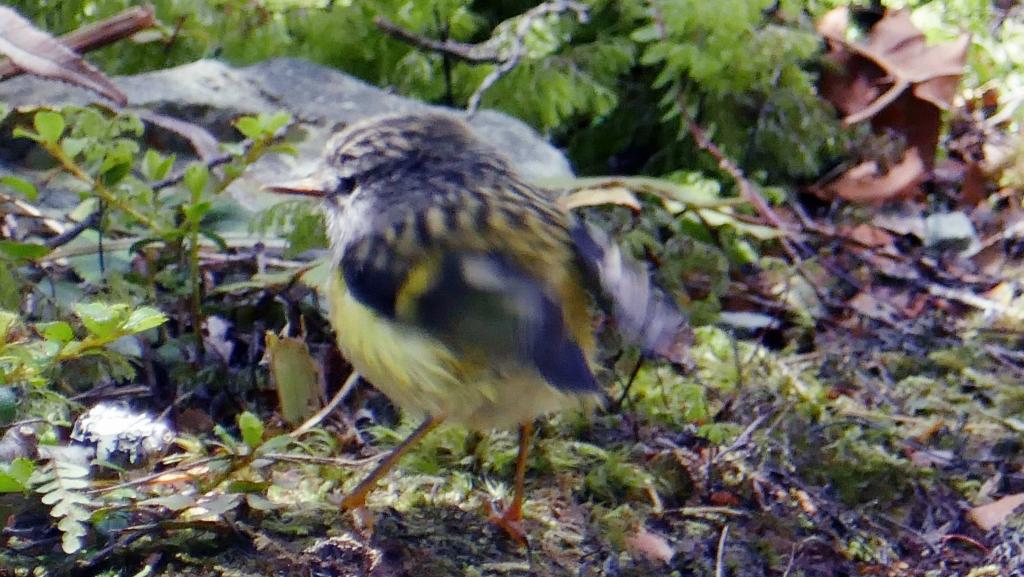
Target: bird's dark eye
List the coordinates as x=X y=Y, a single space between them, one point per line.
x=345 y=186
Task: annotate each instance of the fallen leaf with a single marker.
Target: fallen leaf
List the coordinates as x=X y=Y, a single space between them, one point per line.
x=868 y=305
x=900 y=51
x=991 y=515
x=931 y=458
x=895 y=79
x=650 y=546
x=296 y=377
x=972 y=189
x=38 y=53
x=868 y=235
x=949 y=230
x=805 y=500
x=867 y=183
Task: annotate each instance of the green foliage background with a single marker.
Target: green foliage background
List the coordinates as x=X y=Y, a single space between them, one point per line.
x=744 y=68
x=614 y=90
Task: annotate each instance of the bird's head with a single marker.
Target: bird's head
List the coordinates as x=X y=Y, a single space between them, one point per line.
x=385 y=146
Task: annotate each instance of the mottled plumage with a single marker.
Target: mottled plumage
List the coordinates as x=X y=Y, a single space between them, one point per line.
x=442 y=241
x=459 y=290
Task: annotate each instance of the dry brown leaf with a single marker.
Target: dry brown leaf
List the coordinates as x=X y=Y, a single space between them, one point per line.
x=991 y=515
x=905 y=59
x=896 y=79
x=972 y=189
x=871 y=306
x=600 y=196
x=866 y=183
x=835 y=23
x=39 y=53
x=867 y=235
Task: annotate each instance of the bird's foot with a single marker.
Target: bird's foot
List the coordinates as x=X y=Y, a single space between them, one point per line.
x=510 y=521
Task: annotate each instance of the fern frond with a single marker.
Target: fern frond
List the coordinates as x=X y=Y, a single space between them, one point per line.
x=61 y=481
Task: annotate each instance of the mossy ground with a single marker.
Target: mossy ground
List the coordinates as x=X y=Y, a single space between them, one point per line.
x=844 y=462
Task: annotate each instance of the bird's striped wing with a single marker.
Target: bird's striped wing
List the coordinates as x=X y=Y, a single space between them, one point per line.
x=474 y=296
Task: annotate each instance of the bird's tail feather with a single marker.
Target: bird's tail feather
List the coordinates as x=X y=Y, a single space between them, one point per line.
x=643 y=313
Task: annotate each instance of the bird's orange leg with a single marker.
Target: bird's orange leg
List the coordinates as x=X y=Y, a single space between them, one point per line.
x=509 y=520
x=357 y=498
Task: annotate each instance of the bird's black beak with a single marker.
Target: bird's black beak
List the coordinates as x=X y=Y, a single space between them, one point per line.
x=310 y=186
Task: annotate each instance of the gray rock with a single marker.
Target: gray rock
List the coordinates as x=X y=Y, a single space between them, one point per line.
x=211 y=94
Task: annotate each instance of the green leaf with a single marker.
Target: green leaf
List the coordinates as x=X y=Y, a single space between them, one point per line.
x=59 y=331
x=143 y=319
x=249 y=126
x=49 y=125
x=195 y=212
x=114 y=170
x=74 y=146
x=263 y=125
x=646 y=34
x=276 y=444
x=156 y=166
x=101 y=319
x=21 y=186
x=20 y=132
x=9 y=401
x=14 y=477
x=274 y=122
x=8 y=322
x=23 y=250
x=251 y=428
x=174 y=501
x=283 y=148
x=196 y=177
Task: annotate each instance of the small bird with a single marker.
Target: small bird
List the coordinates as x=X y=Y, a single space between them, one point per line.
x=462 y=292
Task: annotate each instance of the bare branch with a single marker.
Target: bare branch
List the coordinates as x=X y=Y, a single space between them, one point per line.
x=515 y=54
x=482 y=53
x=492 y=50
x=97 y=35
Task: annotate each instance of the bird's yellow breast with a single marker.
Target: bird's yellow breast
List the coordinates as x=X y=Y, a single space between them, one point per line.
x=422 y=375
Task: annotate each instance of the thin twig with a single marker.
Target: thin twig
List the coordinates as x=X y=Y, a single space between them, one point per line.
x=331 y=461
x=517 y=49
x=792 y=559
x=211 y=163
x=30 y=211
x=709 y=511
x=629 y=384
x=313 y=421
x=491 y=51
x=180 y=468
x=743 y=438
x=720 y=557
x=73 y=232
x=101 y=190
x=483 y=53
